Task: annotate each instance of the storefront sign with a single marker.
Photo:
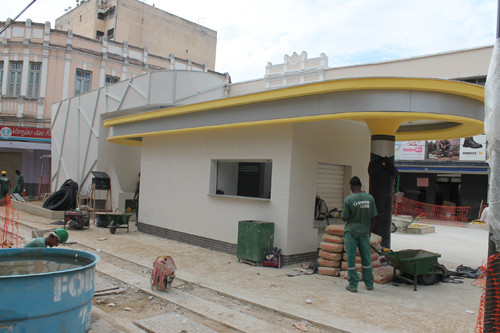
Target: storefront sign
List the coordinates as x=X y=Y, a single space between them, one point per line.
x=25 y=133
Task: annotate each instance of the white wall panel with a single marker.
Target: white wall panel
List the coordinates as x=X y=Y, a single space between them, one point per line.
x=330 y=142
x=176 y=176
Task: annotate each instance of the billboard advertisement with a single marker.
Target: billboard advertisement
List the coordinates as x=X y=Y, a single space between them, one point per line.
x=464 y=149
x=409 y=150
x=473 y=148
x=445 y=150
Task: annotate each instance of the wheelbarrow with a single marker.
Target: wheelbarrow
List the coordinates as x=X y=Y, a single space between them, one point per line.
x=118 y=220
x=418 y=263
x=403 y=225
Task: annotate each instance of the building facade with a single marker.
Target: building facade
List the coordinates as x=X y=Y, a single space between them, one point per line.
x=262 y=150
x=40 y=66
x=141 y=25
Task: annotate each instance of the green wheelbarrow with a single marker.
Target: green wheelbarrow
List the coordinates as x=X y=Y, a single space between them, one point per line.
x=418 y=263
x=118 y=220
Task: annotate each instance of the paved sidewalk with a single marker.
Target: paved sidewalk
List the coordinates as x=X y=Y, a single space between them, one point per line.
x=442 y=307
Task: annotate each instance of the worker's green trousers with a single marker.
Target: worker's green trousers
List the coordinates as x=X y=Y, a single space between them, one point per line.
x=352 y=243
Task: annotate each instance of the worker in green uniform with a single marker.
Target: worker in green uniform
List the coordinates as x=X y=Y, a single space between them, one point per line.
x=5 y=185
x=59 y=236
x=359 y=212
x=136 y=199
x=19 y=184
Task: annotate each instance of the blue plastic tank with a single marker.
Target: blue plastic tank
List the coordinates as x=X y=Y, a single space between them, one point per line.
x=46 y=289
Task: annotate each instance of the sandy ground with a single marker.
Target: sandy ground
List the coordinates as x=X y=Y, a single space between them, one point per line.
x=443 y=307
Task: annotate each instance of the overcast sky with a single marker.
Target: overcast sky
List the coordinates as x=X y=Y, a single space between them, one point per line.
x=251 y=33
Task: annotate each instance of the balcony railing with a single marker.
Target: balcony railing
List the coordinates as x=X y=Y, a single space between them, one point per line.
x=19 y=107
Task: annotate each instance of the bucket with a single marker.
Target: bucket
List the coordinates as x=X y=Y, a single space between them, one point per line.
x=45 y=288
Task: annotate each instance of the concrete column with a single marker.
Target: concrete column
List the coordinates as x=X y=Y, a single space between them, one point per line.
x=381 y=171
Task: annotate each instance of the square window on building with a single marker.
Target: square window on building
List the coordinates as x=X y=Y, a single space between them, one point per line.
x=111 y=79
x=99 y=34
x=111 y=33
x=15 y=74
x=241 y=178
x=83 y=81
x=34 y=80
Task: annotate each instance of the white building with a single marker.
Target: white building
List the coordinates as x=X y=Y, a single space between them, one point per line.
x=212 y=153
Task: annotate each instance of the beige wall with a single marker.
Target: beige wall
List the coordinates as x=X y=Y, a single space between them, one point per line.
x=145 y=26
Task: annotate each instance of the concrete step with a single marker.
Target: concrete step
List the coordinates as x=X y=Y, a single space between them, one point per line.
x=208 y=309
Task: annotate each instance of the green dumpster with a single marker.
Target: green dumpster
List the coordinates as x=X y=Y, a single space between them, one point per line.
x=255 y=240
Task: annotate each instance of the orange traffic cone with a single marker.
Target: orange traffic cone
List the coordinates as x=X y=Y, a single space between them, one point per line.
x=24 y=192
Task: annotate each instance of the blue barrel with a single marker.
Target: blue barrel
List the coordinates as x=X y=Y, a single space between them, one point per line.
x=46 y=289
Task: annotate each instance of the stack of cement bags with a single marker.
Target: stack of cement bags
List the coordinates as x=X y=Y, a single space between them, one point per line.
x=333 y=258
x=331 y=251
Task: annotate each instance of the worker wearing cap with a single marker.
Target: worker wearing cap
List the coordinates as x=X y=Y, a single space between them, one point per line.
x=359 y=212
x=60 y=236
x=5 y=185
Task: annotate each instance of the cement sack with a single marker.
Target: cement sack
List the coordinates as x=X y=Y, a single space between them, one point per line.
x=331 y=247
x=335 y=229
x=375 y=263
x=333 y=239
x=343 y=275
x=383 y=274
x=329 y=263
x=375 y=239
x=373 y=256
x=328 y=271
x=330 y=255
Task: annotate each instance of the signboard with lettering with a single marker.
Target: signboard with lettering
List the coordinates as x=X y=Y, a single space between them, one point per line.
x=473 y=148
x=464 y=149
x=25 y=133
x=410 y=150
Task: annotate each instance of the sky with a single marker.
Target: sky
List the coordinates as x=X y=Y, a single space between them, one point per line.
x=251 y=33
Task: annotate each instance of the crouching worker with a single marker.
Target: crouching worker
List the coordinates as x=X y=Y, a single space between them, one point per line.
x=359 y=212
x=60 y=236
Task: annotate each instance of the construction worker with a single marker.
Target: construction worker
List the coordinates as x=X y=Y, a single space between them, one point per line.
x=59 y=236
x=136 y=199
x=5 y=185
x=19 y=184
x=359 y=212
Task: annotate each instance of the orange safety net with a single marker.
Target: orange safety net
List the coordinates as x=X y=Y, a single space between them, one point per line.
x=488 y=318
x=10 y=228
x=405 y=206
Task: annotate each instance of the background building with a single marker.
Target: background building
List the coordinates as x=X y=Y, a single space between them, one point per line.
x=40 y=66
x=141 y=25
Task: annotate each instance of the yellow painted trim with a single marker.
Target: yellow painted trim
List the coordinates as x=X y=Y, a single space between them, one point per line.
x=388 y=83
x=468 y=127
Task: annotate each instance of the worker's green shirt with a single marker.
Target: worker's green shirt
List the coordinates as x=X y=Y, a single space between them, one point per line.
x=37 y=242
x=4 y=184
x=358 y=209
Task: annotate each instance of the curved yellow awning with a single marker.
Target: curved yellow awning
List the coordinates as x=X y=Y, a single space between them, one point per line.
x=379 y=122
